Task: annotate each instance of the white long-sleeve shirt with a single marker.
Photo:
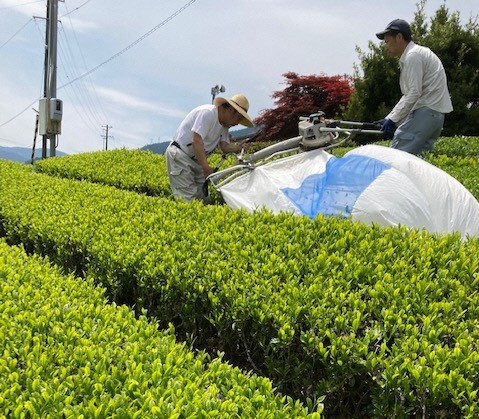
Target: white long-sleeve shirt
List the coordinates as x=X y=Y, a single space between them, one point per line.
x=423 y=83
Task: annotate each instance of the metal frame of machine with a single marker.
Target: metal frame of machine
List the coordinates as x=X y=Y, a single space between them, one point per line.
x=315 y=132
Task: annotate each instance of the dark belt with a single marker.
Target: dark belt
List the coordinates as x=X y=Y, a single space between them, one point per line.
x=175 y=144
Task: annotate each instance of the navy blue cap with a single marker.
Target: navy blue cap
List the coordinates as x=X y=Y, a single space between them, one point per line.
x=396 y=25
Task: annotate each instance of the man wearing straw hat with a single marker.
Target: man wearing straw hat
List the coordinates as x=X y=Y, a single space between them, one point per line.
x=201 y=132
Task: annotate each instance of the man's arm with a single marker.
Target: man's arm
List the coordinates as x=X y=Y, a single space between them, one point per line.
x=200 y=154
x=413 y=74
x=233 y=148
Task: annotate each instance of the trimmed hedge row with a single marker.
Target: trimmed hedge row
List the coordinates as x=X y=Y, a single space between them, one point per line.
x=464 y=169
x=458 y=146
x=134 y=170
x=382 y=321
x=66 y=353
x=145 y=172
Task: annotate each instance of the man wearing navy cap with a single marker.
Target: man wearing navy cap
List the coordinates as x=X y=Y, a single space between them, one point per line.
x=416 y=121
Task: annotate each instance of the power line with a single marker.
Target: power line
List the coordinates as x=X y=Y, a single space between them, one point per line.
x=21 y=112
x=83 y=94
x=87 y=117
x=133 y=43
x=109 y=59
x=88 y=111
x=81 y=115
x=11 y=142
x=74 y=10
x=36 y=100
x=16 y=33
x=101 y=109
x=23 y=4
x=78 y=92
x=42 y=37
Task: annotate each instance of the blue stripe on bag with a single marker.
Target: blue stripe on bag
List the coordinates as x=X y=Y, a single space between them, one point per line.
x=336 y=190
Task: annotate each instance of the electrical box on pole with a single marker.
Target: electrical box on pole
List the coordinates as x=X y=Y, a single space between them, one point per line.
x=50 y=116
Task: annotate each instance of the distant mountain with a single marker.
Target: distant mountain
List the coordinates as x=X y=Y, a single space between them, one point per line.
x=241 y=134
x=157 y=148
x=23 y=154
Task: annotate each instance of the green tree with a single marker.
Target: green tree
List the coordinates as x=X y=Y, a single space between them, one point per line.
x=377 y=90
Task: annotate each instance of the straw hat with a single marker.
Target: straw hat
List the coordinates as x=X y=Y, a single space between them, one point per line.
x=241 y=104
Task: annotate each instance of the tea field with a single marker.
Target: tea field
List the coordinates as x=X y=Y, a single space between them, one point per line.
x=162 y=308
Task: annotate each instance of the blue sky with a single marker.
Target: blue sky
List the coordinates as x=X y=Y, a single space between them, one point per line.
x=245 y=45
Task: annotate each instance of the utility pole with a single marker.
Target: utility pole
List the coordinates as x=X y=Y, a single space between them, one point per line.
x=51 y=67
x=105 y=137
x=51 y=109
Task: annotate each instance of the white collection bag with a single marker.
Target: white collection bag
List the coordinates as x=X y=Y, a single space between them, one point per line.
x=370 y=183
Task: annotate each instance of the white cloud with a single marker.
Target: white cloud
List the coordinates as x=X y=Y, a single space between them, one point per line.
x=138 y=104
x=79 y=25
x=23 y=7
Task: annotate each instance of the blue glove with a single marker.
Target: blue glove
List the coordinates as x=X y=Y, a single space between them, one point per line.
x=388 y=127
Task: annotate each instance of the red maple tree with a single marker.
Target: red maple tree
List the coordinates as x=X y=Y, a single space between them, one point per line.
x=303 y=96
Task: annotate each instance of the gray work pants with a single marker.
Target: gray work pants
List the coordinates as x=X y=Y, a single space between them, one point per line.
x=418 y=133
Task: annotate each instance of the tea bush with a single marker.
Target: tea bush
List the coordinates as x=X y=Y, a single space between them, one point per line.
x=458 y=146
x=145 y=172
x=383 y=321
x=66 y=353
x=134 y=170
x=464 y=169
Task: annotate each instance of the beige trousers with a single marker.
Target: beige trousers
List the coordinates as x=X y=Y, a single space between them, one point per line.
x=186 y=175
